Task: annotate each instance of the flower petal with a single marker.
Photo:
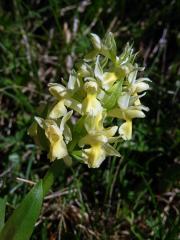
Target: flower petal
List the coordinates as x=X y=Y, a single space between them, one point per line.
x=98 y=71
x=64 y=120
x=125 y=130
x=109 y=132
x=58 y=110
x=73 y=104
x=109 y=79
x=91 y=105
x=53 y=133
x=40 y=121
x=130 y=114
x=141 y=86
x=57 y=90
x=132 y=75
x=94 y=156
x=92 y=140
x=58 y=150
x=123 y=100
x=94 y=123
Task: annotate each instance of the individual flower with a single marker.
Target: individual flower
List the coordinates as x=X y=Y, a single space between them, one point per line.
x=129 y=108
x=106 y=79
x=56 y=136
x=99 y=146
x=64 y=98
x=137 y=85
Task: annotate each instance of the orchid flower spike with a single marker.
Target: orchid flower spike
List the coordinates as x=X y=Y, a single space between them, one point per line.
x=104 y=86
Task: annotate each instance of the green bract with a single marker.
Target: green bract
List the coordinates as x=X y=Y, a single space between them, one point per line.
x=104 y=85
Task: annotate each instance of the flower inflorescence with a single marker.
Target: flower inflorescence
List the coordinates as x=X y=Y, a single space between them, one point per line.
x=103 y=88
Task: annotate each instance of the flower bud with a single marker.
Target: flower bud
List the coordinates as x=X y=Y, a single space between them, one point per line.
x=96 y=41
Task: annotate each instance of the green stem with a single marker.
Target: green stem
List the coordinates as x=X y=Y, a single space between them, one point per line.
x=52 y=173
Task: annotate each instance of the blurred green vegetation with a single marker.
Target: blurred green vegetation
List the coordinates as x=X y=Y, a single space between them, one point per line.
x=135 y=197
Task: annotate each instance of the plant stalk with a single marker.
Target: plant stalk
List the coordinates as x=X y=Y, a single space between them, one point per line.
x=50 y=176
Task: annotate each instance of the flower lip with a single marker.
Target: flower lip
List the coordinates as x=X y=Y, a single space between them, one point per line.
x=125 y=130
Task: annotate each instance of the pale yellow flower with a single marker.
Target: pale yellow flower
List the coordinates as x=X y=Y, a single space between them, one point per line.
x=99 y=146
x=58 y=147
x=106 y=79
x=55 y=135
x=137 y=85
x=127 y=112
x=63 y=95
x=95 y=155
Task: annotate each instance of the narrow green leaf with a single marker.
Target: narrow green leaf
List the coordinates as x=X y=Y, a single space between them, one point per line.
x=21 y=223
x=2 y=212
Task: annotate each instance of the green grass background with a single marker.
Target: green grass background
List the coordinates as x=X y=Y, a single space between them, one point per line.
x=135 y=197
